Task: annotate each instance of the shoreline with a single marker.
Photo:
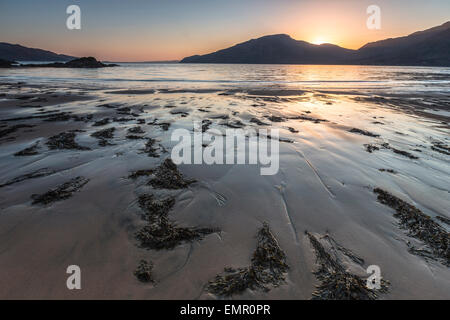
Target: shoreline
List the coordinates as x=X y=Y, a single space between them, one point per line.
x=324 y=187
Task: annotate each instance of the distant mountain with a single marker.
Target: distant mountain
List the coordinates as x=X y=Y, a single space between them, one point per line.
x=17 y=52
x=430 y=47
x=424 y=48
x=278 y=48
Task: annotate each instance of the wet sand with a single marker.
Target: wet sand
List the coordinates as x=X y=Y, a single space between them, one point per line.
x=324 y=190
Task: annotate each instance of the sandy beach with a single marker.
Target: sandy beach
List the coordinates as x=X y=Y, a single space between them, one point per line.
x=102 y=149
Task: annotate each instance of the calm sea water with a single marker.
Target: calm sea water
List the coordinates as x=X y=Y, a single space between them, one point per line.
x=218 y=76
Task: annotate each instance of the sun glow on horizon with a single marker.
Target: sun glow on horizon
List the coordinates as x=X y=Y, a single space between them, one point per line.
x=171 y=30
x=319 y=41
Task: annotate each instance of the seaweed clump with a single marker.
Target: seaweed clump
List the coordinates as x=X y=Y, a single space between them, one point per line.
x=441 y=148
x=160 y=232
x=268 y=267
x=153 y=208
x=29 y=151
x=335 y=282
x=163 y=125
x=140 y=173
x=400 y=152
x=387 y=170
x=275 y=118
x=65 y=140
x=149 y=148
x=134 y=137
x=307 y=118
x=443 y=219
x=35 y=174
x=164 y=234
x=205 y=124
x=61 y=192
x=235 y=124
x=371 y=148
x=101 y=122
x=364 y=132
x=167 y=176
x=144 y=272
x=419 y=226
x=14 y=128
x=104 y=135
x=136 y=130
x=258 y=122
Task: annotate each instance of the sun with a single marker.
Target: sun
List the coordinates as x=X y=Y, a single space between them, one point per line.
x=319 y=40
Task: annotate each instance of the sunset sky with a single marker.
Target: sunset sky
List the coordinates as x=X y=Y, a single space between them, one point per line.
x=139 y=30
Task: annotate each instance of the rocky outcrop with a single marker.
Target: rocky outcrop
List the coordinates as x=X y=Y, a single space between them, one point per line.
x=6 y=63
x=85 y=62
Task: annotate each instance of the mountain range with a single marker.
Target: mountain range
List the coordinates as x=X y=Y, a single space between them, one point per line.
x=430 y=47
x=15 y=52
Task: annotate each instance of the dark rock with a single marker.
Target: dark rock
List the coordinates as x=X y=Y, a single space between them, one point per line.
x=6 y=63
x=87 y=62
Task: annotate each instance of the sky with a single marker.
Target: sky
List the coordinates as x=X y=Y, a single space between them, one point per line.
x=150 y=30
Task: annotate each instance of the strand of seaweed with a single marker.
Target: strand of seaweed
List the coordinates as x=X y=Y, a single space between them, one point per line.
x=419 y=226
x=267 y=269
x=336 y=283
x=160 y=232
